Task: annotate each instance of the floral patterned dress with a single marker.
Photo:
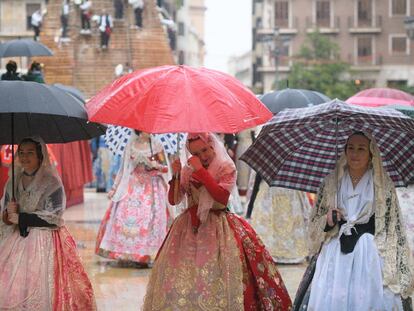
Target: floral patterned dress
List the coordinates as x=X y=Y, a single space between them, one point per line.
x=280 y=219
x=134 y=227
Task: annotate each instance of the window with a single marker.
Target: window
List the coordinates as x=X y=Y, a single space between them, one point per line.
x=181 y=31
x=323 y=13
x=30 y=9
x=281 y=13
x=397 y=84
x=399 y=7
x=364 y=48
x=284 y=52
x=364 y=12
x=181 y=58
x=399 y=45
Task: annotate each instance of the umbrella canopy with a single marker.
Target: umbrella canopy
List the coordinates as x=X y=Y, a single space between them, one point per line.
x=117 y=137
x=377 y=97
x=407 y=110
x=71 y=90
x=170 y=99
x=292 y=98
x=44 y=110
x=24 y=47
x=298 y=148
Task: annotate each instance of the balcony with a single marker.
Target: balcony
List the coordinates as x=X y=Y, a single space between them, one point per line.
x=326 y=26
x=287 y=27
x=365 y=63
x=268 y=65
x=370 y=25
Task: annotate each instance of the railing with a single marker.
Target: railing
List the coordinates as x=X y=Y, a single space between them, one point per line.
x=369 y=22
x=323 y=23
x=366 y=60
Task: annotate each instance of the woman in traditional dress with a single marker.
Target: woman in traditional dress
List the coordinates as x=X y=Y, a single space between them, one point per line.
x=280 y=218
x=211 y=259
x=40 y=268
x=364 y=263
x=136 y=222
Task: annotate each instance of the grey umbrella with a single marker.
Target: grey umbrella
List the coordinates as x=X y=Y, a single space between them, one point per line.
x=292 y=98
x=30 y=108
x=71 y=90
x=24 y=47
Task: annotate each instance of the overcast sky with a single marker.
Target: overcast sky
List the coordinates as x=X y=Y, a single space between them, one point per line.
x=228 y=31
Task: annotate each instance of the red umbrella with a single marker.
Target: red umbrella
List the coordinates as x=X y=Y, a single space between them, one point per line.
x=377 y=97
x=170 y=99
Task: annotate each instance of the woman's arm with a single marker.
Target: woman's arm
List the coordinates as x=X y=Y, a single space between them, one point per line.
x=218 y=193
x=49 y=216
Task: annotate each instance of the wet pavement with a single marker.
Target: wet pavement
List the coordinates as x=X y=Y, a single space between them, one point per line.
x=123 y=288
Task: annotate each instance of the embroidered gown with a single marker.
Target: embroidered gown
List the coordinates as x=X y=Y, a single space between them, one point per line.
x=136 y=221
x=40 y=268
x=280 y=219
x=220 y=264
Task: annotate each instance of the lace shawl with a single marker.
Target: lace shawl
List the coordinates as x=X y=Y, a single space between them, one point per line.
x=390 y=235
x=133 y=157
x=44 y=196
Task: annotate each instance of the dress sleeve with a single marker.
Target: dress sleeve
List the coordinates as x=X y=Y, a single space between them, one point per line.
x=218 y=193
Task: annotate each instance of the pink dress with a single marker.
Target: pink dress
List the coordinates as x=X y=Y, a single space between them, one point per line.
x=136 y=222
x=42 y=271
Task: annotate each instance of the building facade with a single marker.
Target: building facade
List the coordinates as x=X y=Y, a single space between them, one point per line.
x=240 y=67
x=79 y=60
x=370 y=33
x=189 y=19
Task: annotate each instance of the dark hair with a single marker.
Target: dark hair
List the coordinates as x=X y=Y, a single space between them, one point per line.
x=11 y=66
x=37 y=144
x=35 y=66
x=137 y=132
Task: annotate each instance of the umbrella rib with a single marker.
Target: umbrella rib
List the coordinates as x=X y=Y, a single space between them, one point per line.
x=58 y=128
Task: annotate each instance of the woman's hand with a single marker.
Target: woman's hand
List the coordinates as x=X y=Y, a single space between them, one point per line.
x=195 y=163
x=111 y=193
x=176 y=167
x=12 y=207
x=13 y=218
x=329 y=217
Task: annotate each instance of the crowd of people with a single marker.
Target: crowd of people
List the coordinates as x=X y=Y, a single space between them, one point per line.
x=34 y=73
x=210 y=228
x=206 y=256
x=104 y=20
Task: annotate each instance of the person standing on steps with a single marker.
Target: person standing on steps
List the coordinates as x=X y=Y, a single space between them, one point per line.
x=119 y=9
x=138 y=6
x=36 y=22
x=86 y=14
x=105 y=28
x=64 y=18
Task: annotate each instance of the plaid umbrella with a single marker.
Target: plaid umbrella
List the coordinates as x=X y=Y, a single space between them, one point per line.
x=298 y=148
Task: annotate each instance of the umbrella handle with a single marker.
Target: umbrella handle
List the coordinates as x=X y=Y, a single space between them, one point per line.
x=176 y=187
x=12 y=146
x=177 y=175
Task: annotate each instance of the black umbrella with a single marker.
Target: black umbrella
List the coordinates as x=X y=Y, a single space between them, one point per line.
x=24 y=47
x=71 y=90
x=30 y=108
x=292 y=98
